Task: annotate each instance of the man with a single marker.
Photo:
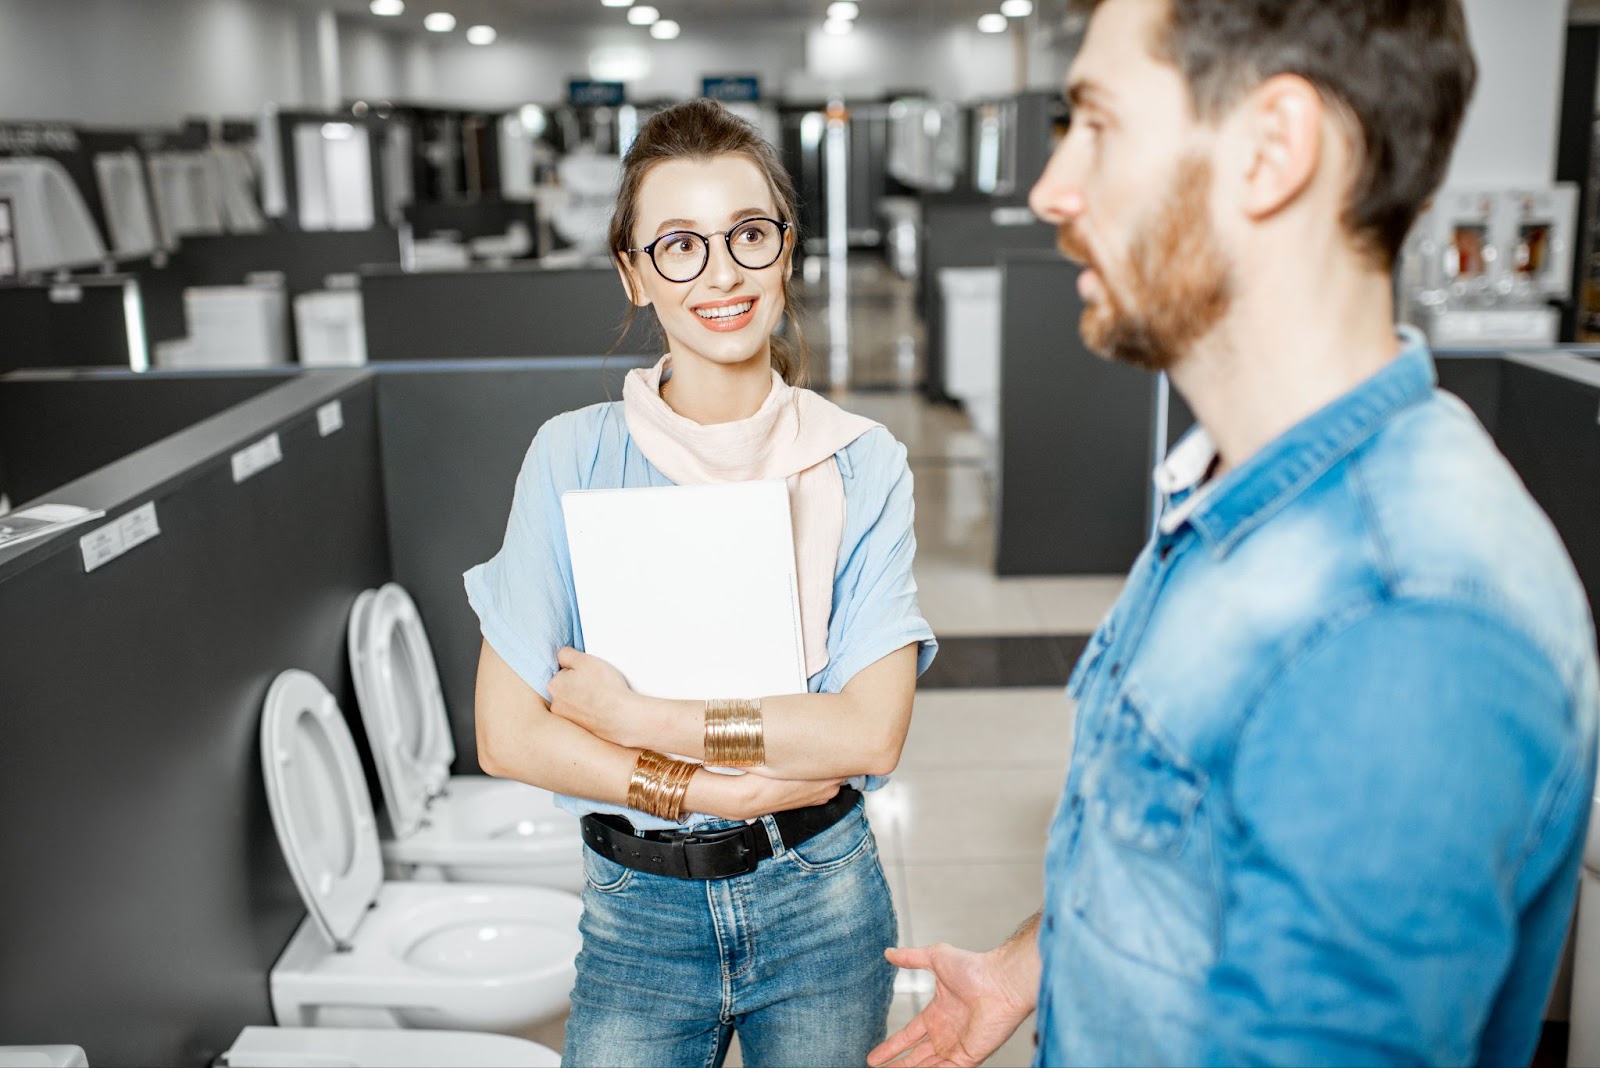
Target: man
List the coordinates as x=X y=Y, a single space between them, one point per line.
x=1336 y=741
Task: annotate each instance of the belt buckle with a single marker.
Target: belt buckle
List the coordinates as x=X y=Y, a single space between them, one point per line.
x=718 y=867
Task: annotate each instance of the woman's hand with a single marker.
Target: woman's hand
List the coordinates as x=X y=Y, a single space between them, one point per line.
x=744 y=797
x=594 y=695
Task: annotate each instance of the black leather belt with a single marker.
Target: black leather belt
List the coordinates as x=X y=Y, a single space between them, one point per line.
x=719 y=854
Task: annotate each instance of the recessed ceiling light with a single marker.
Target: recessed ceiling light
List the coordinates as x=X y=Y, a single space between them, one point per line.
x=993 y=22
x=838 y=27
x=440 y=22
x=843 y=9
x=665 y=30
x=481 y=35
x=616 y=3
x=1016 y=9
x=643 y=15
x=387 y=7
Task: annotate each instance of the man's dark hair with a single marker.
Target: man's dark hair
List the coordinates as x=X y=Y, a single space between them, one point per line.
x=1400 y=71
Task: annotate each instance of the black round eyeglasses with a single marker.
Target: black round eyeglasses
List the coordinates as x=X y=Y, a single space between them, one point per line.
x=681 y=256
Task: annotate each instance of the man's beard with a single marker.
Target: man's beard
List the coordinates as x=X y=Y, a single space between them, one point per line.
x=1178 y=284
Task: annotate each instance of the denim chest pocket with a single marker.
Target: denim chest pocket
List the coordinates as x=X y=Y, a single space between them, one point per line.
x=1090 y=659
x=1142 y=874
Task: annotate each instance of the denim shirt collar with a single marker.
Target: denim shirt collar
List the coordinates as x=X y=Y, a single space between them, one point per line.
x=1225 y=511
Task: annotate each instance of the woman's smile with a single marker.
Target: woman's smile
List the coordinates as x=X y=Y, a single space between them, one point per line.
x=726 y=316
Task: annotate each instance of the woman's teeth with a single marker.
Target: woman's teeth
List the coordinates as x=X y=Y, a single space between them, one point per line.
x=727 y=311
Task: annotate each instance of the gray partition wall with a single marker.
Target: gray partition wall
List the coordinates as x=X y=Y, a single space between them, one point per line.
x=1075 y=434
x=56 y=426
x=496 y=312
x=454 y=438
x=87 y=322
x=144 y=893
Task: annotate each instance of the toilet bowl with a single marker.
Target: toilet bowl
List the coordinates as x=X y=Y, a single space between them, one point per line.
x=370 y=953
x=462 y=828
x=334 y=1047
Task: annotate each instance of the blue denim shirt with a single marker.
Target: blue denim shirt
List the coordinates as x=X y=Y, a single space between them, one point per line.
x=1334 y=751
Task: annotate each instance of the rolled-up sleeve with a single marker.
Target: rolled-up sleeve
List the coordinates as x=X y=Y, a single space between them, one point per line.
x=875 y=607
x=523 y=594
x=1387 y=791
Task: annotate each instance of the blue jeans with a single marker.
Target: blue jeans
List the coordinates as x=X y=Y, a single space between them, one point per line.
x=790 y=956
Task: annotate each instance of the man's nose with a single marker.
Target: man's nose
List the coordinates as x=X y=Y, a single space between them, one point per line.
x=1057 y=197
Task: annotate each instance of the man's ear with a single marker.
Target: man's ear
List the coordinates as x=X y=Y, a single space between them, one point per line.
x=630 y=282
x=1284 y=125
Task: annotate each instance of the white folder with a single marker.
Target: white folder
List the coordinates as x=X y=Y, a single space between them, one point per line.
x=690 y=591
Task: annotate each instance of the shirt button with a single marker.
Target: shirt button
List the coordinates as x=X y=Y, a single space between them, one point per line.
x=1116 y=670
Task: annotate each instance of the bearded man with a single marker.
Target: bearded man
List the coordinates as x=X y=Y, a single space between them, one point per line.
x=1335 y=744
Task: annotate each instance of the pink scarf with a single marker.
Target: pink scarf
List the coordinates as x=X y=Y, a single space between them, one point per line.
x=792 y=436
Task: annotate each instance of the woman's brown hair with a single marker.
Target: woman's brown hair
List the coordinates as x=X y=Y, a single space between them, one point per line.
x=702 y=130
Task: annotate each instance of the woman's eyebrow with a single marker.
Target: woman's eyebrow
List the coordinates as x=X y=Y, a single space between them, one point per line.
x=690 y=224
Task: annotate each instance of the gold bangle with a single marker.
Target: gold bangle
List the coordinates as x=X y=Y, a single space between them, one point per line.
x=659 y=783
x=735 y=735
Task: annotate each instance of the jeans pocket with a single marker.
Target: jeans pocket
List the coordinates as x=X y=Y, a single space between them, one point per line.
x=1141 y=877
x=604 y=876
x=836 y=847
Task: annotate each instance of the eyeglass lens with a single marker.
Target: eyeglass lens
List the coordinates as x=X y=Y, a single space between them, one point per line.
x=755 y=244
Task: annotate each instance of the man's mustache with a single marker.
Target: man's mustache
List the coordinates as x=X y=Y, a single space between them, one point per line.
x=1072 y=247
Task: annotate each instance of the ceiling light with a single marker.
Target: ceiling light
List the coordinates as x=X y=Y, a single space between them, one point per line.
x=843 y=9
x=387 y=7
x=992 y=23
x=440 y=22
x=643 y=15
x=616 y=3
x=838 y=27
x=481 y=35
x=1016 y=9
x=665 y=30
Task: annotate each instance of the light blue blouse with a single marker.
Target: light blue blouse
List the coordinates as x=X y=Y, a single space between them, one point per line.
x=528 y=609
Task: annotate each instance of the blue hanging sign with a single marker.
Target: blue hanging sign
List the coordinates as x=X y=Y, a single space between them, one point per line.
x=582 y=93
x=732 y=89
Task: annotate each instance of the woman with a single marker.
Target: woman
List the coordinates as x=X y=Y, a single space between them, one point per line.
x=760 y=907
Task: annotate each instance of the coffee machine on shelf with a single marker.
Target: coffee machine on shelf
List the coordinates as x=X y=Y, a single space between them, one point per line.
x=1483 y=266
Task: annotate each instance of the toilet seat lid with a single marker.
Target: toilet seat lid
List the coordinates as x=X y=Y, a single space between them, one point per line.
x=320 y=808
x=402 y=703
x=362 y=1048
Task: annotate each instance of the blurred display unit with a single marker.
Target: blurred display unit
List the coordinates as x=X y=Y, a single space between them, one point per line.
x=52 y=228
x=323 y=171
x=125 y=198
x=188 y=194
x=927 y=144
x=230 y=326
x=1482 y=267
x=8 y=241
x=329 y=331
x=1587 y=327
x=238 y=177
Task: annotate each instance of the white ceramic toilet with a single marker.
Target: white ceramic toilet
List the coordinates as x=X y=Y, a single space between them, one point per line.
x=336 y=1047
x=451 y=956
x=462 y=828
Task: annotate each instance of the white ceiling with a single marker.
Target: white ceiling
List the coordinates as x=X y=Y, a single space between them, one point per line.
x=530 y=16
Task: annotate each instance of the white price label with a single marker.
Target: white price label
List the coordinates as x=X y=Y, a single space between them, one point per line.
x=330 y=417
x=251 y=459
x=100 y=547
